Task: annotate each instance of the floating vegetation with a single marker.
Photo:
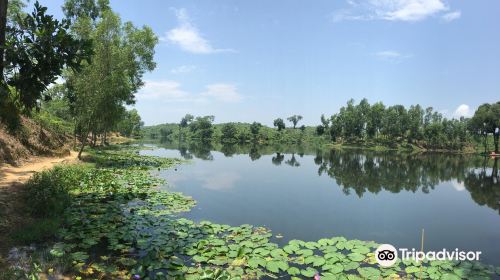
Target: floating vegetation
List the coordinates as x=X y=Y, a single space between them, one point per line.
x=118 y=225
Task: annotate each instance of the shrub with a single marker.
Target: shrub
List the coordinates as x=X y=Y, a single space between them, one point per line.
x=47 y=193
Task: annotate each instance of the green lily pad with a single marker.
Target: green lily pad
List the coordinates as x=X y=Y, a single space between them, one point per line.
x=368 y=272
x=293 y=271
x=256 y=261
x=356 y=257
x=308 y=272
x=276 y=266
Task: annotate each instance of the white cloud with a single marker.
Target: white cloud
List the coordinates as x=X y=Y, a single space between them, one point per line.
x=451 y=16
x=463 y=111
x=388 y=54
x=393 y=10
x=223 y=92
x=392 y=56
x=459 y=186
x=183 y=69
x=171 y=91
x=188 y=37
x=164 y=90
x=220 y=182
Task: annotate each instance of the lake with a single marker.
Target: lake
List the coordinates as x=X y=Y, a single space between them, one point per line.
x=310 y=194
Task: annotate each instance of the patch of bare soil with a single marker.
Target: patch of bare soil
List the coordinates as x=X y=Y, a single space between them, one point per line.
x=29 y=140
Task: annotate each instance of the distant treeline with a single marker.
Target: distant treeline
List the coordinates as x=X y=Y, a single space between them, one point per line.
x=424 y=128
x=355 y=124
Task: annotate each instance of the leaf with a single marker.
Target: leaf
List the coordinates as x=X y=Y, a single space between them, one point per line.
x=356 y=257
x=305 y=252
x=368 y=272
x=311 y=245
x=256 y=261
x=412 y=269
x=293 y=271
x=79 y=256
x=318 y=261
x=361 y=250
x=199 y=259
x=290 y=249
x=127 y=261
x=308 y=272
x=449 y=276
x=336 y=268
x=276 y=266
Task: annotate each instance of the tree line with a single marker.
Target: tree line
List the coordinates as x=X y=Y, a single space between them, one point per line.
x=100 y=58
x=361 y=124
x=365 y=122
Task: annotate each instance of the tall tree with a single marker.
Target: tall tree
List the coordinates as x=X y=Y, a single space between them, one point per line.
x=3 y=27
x=486 y=120
x=295 y=119
x=122 y=54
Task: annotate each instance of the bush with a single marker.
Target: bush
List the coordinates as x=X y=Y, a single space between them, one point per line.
x=47 y=193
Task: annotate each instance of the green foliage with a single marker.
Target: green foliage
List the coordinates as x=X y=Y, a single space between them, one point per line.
x=364 y=123
x=255 y=128
x=130 y=123
x=486 y=120
x=47 y=192
x=202 y=128
x=294 y=120
x=229 y=133
x=122 y=54
x=279 y=124
x=37 y=50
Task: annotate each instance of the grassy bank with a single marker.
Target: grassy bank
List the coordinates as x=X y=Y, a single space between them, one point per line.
x=110 y=221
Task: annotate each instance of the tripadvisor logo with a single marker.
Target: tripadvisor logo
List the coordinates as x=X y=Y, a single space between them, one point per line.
x=387 y=255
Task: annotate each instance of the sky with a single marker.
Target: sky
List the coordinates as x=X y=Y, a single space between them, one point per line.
x=259 y=60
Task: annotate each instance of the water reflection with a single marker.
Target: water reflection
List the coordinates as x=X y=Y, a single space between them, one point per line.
x=358 y=172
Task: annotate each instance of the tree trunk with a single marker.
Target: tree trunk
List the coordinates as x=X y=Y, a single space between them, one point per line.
x=84 y=141
x=3 y=26
x=495 y=138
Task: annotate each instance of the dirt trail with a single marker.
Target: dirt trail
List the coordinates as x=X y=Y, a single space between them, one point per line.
x=13 y=175
x=12 y=178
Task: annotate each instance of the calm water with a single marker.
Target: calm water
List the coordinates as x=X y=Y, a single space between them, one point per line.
x=383 y=197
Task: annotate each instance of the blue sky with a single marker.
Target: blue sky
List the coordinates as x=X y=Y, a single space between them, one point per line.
x=259 y=60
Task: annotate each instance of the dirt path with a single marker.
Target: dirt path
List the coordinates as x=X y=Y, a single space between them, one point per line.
x=12 y=178
x=13 y=175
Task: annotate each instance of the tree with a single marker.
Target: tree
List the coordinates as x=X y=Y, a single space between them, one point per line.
x=320 y=130
x=415 y=122
x=122 y=54
x=34 y=52
x=374 y=120
x=294 y=120
x=279 y=124
x=486 y=120
x=186 y=120
x=130 y=123
x=3 y=28
x=254 y=129
x=202 y=128
x=229 y=133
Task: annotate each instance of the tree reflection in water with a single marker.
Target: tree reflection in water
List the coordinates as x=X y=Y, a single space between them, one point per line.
x=368 y=171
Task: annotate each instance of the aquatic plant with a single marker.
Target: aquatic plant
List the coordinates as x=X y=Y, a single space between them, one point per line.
x=118 y=225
